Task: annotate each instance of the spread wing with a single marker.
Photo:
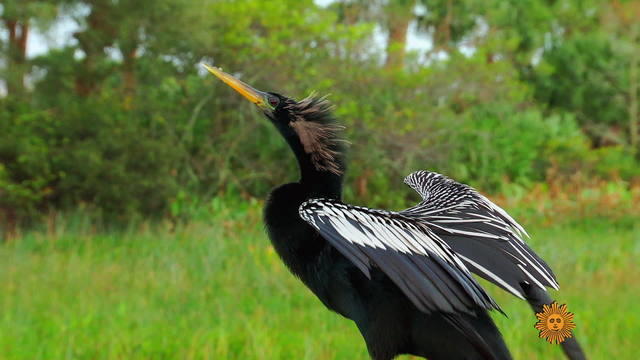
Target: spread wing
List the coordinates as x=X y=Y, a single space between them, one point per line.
x=421 y=264
x=484 y=236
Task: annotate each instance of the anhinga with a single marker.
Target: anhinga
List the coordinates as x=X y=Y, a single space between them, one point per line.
x=403 y=277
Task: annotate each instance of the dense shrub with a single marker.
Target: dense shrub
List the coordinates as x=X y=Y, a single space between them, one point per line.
x=498 y=144
x=85 y=152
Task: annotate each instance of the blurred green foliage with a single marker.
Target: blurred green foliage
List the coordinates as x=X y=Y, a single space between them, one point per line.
x=123 y=122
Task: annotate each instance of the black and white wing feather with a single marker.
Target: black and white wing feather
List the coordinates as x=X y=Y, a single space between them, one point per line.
x=421 y=264
x=484 y=236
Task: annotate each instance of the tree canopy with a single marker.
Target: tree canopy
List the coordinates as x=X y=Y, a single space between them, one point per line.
x=122 y=120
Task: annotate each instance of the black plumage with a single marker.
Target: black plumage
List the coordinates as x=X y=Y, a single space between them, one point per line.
x=403 y=277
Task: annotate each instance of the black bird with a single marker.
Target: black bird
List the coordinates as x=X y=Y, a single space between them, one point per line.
x=403 y=277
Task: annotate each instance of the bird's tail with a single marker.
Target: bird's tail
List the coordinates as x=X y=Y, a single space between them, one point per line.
x=538 y=297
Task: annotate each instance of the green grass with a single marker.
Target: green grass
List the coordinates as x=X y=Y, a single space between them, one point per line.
x=215 y=289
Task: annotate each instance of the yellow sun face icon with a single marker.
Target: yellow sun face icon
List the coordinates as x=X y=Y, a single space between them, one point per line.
x=555 y=323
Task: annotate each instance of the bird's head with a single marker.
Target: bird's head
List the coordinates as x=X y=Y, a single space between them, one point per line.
x=307 y=123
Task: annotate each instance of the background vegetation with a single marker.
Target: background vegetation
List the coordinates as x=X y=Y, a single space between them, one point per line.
x=120 y=119
x=130 y=180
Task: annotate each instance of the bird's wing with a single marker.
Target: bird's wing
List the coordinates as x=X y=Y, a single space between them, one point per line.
x=486 y=238
x=423 y=266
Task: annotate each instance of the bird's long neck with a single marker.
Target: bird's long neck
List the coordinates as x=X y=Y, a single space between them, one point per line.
x=319 y=182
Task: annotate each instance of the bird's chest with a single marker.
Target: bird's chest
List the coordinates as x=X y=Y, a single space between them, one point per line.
x=320 y=267
x=296 y=242
x=307 y=255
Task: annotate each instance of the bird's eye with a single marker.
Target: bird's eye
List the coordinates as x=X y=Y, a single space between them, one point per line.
x=273 y=101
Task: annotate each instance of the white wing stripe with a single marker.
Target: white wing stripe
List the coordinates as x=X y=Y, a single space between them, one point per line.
x=498 y=209
x=536 y=267
x=351 y=234
x=494 y=277
x=531 y=277
x=455 y=221
x=469 y=233
x=410 y=242
x=384 y=234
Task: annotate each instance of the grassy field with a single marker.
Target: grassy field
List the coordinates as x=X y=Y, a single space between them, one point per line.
x=215 y=289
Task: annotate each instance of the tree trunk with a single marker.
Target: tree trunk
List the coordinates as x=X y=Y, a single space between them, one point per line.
x=128 y=69
x=17 y=56
x=349 y=13
x=100 y=33
x=633 y=90
x=398 y=25
x=442 y=37
x=9 y=224
x=129 y=75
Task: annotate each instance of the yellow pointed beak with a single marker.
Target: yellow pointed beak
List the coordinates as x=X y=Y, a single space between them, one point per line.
x=251 y=94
